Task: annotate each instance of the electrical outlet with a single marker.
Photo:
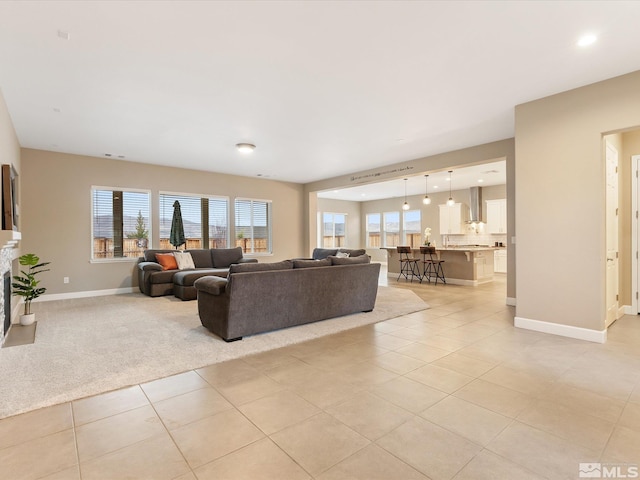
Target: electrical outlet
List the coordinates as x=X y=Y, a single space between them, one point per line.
x=65 y=279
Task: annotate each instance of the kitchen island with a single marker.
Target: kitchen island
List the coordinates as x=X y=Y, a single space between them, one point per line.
x=463 y=264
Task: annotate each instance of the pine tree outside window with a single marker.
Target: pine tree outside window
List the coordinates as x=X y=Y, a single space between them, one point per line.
x=121 y=223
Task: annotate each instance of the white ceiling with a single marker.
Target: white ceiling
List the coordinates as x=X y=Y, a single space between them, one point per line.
x=322 y=88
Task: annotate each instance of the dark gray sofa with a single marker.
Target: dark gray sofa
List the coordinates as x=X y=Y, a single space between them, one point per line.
x=321 y=253
x=268 y=296
x=156 y=282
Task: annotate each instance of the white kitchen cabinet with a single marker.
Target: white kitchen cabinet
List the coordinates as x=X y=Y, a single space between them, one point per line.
x=453 y=218
x=500 y=261
x=497 y=216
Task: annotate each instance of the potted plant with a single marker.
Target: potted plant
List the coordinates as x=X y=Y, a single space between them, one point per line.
x=26 y=286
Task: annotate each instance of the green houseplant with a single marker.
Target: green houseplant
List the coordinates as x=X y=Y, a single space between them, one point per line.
x=26 y=285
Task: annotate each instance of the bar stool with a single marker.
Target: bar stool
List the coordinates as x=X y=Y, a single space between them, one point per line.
x=408 y=264
x=432 y=266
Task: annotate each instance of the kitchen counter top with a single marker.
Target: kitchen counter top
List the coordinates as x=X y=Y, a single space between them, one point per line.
x=463 y=264
x=454 y=248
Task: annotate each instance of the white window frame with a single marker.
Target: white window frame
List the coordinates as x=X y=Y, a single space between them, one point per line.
x=200 y=196
x=404 y=225
x=333 y=223
x=150 y=224
x=269 y=224
x=383 y=228
x=379 y=231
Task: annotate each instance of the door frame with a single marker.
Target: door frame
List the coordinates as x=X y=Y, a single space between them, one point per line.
x=635 y=224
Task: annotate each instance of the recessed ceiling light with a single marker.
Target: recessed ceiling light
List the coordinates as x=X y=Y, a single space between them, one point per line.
x=245 y=147
x=480 y=180
x=436 y=186
x=587 y=40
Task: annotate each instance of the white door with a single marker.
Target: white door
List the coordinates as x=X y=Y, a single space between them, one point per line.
x=612 y=234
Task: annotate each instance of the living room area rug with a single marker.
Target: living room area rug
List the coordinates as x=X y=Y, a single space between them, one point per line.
x=93 y=345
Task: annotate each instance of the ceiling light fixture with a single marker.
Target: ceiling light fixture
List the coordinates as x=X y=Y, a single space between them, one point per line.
x=245 y=147
x=450 y=202
x=405 y=205
x=587 y=40
x=426 y=200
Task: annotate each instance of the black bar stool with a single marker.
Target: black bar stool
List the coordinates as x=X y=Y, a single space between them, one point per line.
x=408 y=264
x=432 y=266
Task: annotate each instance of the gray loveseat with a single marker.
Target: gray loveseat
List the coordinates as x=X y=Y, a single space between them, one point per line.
x=156 y=282
x=268 y=296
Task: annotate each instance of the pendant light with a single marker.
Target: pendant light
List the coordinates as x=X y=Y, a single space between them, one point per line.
x=426 y=200
x=450 y=202
x=405 y=205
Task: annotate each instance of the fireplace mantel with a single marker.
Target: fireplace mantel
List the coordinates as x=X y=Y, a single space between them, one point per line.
x=10 y=239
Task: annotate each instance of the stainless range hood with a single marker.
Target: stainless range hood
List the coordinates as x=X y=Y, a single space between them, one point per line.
x=475 y=205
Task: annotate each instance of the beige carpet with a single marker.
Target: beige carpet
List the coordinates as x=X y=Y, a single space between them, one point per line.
x=94 y=345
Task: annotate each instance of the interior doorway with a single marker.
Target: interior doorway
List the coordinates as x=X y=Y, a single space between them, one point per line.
x=612 y=290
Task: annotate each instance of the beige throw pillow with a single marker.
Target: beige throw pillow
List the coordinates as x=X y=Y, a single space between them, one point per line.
x=184 y=260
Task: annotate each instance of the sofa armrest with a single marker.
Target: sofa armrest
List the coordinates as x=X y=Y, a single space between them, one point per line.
x=210 y=284
x=248 y=260
x=149 y=266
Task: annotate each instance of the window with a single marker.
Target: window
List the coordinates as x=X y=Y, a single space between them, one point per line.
x=412 y=233
x=373 y=230
x=204 y=220
x=253 y=225
x=391 y=229
x=334 y=228
x=218 y=226
x=121 y=222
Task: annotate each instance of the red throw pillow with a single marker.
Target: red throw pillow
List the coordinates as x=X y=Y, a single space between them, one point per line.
x=167 y=260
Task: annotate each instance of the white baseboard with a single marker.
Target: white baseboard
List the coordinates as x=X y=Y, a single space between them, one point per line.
x=511 y=301
x=627 y=310
x=89 y=293
x=562 y=330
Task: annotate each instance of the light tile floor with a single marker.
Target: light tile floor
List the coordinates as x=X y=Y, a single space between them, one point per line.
x=453 y=392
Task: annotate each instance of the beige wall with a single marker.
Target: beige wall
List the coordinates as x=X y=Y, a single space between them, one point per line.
x=560 y=199
x=501 y=150
x=9 y=146
x=352 y=209
x=56 y=212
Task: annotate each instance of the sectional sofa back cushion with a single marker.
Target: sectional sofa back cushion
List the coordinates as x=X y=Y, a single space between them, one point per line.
x=260 y=267
x=150 y=255
x=201 y=258
x=353 y=253
x=322 y=253
x=311 y=263
x=224 y=257
x=349 y=260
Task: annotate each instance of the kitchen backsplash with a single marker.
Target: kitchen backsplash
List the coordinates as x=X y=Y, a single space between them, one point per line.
x=473 y=239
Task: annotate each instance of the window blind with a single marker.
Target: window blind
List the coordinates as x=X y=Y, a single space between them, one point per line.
x=253 y=225
x=121 y=223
